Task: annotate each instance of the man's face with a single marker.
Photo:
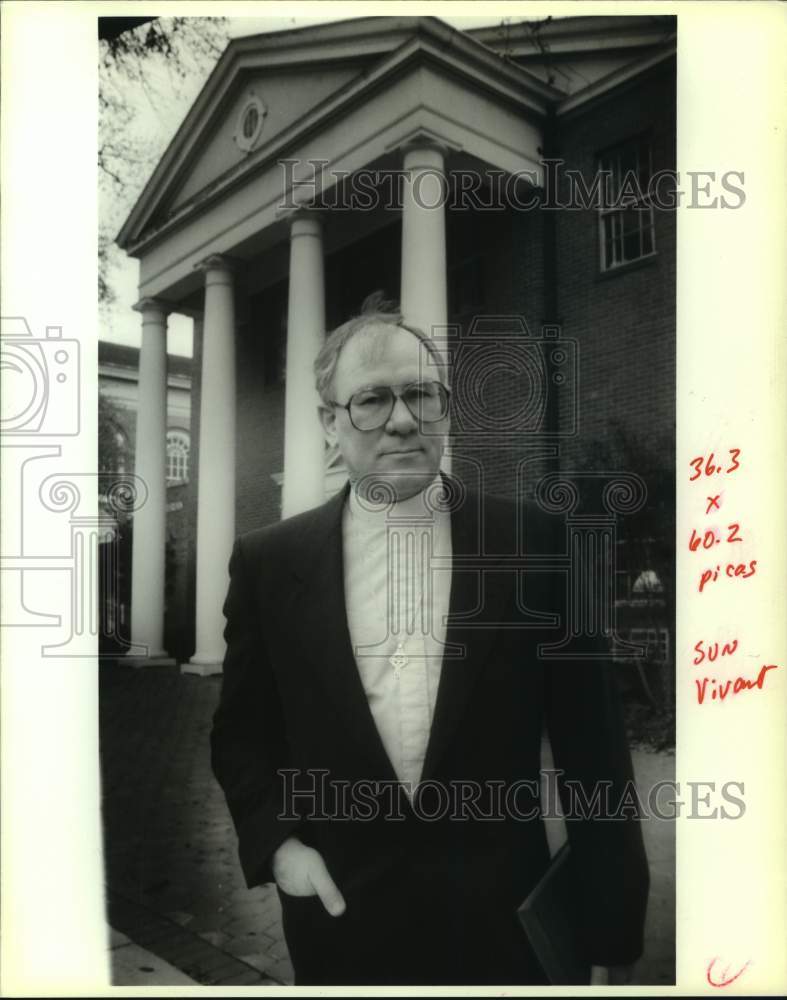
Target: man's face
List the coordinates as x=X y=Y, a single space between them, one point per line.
x=400 y=454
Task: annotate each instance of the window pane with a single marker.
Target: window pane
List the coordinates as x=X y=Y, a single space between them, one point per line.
x=647 y=239
x=627 y=229
x=609 y=221
x=629 y=220
x=631 y=245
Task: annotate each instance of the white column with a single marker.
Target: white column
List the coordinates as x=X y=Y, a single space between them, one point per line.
x=304 y=448
x=424 y=291
x=150 y=457
x=424 y=295
x=216 y=482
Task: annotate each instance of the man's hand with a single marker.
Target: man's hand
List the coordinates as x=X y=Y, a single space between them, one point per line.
x=300 y=871
x=610 y=975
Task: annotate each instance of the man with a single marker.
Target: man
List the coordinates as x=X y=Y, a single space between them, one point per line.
x=379 y=731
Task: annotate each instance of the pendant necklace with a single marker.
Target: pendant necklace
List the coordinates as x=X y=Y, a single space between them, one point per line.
x=399 y=659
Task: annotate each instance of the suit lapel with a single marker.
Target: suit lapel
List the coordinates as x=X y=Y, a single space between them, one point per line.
x=476 y=601
x=319 y=620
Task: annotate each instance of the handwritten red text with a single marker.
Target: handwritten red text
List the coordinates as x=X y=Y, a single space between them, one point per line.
x=712 y=651
x=708 y=466
x=720 y=689
x=743 y=570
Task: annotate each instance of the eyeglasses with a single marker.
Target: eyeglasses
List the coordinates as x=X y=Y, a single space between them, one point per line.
x=370 y=408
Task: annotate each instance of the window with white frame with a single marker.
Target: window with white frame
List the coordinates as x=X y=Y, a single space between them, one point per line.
x=626 y=218
x=177 y=457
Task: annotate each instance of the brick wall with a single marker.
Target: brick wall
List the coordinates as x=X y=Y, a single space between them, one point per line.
x=624 y=325
x=510 y=261
x=623 y=321
x=260 y=415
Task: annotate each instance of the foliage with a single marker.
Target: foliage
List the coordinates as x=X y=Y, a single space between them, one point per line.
x=111 y=450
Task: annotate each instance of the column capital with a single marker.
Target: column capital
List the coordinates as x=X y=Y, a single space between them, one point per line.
x=149 y=305
x=306 y=222
x=291 y=214
x=217 y=262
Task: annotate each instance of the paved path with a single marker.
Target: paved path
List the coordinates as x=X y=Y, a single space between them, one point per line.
x=175 y=885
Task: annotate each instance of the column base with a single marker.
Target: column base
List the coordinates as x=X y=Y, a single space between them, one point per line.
x=203 y=666
x=156 y=659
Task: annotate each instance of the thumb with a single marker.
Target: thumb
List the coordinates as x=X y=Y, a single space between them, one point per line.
x=326 y=888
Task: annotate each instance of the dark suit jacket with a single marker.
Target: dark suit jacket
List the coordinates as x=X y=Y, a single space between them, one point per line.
x=429 y=901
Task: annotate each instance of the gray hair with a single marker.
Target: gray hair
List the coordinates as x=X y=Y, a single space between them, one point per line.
x=375 y=311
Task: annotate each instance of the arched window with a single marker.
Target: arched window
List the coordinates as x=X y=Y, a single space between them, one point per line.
x=177 y=457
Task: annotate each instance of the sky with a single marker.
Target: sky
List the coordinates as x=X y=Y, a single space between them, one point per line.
x=120 y=323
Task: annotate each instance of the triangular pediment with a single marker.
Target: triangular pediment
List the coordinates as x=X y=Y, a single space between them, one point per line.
x=291 y=75
x=274 y=99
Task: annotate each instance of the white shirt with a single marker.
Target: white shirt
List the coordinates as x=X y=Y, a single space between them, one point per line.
x=397 y=585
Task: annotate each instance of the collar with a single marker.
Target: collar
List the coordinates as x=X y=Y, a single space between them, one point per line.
x=366 y=513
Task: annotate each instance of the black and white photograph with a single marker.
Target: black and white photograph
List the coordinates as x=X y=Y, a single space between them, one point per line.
x=417 y=587
x=420 y=399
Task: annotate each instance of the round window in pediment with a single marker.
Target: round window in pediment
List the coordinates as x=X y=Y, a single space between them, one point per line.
x=250 y=123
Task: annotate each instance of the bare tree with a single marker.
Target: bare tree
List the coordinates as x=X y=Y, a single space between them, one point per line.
x=149 y=69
